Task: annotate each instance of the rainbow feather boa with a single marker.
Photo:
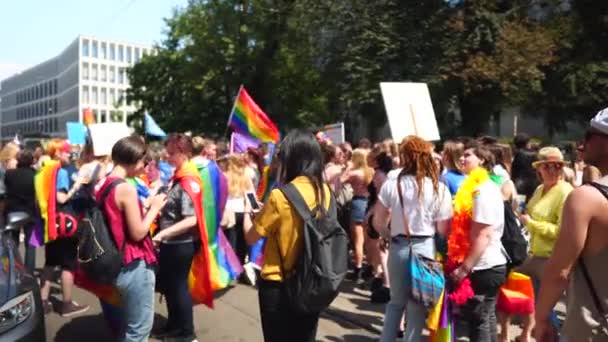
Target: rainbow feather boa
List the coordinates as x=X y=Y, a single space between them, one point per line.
x=459 y=242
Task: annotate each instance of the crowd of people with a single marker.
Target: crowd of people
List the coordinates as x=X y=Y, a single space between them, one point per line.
x=395 y=201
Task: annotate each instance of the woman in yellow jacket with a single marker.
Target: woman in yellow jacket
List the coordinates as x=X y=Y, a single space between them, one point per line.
x=542 y=219
x=301 y=164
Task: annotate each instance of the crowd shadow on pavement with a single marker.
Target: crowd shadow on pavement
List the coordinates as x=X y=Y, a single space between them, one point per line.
x=90 y=328
x=350 y=338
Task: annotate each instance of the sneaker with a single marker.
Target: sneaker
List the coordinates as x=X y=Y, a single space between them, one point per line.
x=180 y=338
x=72 y=308
x=376 y=284
x=163 y=333
x=47 y=306
x=367 y=273
x=355 y=275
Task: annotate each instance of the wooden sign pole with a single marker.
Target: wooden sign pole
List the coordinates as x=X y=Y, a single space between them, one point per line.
x=413 y=119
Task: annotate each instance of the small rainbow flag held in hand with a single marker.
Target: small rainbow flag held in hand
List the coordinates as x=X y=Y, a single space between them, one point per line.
x=248 y=118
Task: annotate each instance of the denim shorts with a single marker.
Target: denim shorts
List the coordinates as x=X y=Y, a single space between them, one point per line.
x=357 y=209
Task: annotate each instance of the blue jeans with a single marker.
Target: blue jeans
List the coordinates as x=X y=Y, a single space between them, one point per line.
x=135 y=283
x=398 y=258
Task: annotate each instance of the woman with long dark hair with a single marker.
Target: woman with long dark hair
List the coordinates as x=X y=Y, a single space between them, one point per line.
x=417 y=205
x=301 y=164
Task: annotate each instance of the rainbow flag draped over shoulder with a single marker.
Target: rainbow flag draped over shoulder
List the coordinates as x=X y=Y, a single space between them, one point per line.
x=45 y=183
x=248 y=118
x=214 y=200
x=204 y=267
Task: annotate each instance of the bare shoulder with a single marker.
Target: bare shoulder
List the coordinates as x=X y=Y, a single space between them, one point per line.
x=585 y=198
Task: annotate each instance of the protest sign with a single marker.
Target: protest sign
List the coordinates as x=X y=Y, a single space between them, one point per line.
x=409 y=110
x=335 y=132
x=105 y=135
x=77 y=133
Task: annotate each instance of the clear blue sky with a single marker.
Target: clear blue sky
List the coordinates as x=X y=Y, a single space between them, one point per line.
x=32 y=31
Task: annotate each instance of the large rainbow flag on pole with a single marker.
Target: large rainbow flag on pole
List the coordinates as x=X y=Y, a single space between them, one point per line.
x=248 y=118
x=222 y=255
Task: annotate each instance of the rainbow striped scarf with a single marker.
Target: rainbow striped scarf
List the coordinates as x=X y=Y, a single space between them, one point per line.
x=45 y=184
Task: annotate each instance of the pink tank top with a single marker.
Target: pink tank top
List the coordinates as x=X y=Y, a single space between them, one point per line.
x=143 y=249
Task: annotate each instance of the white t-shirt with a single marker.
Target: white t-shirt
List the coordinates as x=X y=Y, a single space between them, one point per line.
x=488 y=208
x=421 y=212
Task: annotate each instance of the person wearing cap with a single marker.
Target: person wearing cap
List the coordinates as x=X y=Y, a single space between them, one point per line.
x=583 y=240
x=542 y=218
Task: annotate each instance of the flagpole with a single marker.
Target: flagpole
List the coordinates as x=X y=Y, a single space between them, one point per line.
x=232 y=111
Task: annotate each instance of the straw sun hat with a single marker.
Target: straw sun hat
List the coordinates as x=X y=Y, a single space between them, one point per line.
x=549 y=155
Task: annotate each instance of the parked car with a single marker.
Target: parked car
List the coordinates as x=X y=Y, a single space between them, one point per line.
x=21 y=311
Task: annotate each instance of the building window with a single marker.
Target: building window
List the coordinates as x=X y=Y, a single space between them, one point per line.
x=136 y=55
x=94 y=72
x=112 y=97
x=129 y=57
x=121 y=75
x=85 y=94
x=102 y=51
x=55 y=86
x=112 y=76
x=103 y=117
x=121 y=53
x=104 y=97
x=85 y=48
x=85 y=71
x=121 y=98
x=55 y=106
x=103 y=73
x=94 y=49
x=94 y=95
x=112 y=55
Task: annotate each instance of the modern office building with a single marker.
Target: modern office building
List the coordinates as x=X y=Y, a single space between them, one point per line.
x=90 y=72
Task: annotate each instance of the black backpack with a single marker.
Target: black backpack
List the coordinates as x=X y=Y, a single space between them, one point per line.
x=513 y=240
x=322 y=265
x=98 y=255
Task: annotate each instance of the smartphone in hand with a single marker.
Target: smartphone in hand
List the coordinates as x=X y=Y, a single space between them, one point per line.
x=253 y=201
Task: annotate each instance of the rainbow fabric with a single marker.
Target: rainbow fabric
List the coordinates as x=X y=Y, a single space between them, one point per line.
x=45 y=183
x=204 y=266
x=267 y=183
x=88 y=117
x=222 y=255
x=248 y=118
x=440 y=322
x=516 y=296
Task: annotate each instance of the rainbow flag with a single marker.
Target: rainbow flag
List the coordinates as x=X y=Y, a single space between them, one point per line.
x=267 y=183
x=203 y=270
x=88 y=118
x=440 y=322
x=45 y=183
x=248 y=118
x=214 y=201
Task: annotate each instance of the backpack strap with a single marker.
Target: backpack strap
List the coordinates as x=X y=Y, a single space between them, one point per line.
x=109 y=189
x=101 y=203
x=594 y=296
x=295 y=198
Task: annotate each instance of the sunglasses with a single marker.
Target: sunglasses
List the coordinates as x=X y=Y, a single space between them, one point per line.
x=554 y=166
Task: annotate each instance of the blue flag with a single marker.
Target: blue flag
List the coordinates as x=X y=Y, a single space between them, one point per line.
x=152 y=128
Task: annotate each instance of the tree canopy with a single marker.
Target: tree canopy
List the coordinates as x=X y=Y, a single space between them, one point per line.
x=314 y=62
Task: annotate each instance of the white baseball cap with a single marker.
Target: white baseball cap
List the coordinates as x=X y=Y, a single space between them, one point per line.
x=600 y=121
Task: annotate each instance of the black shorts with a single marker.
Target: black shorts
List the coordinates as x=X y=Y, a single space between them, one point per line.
x=62 y=253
